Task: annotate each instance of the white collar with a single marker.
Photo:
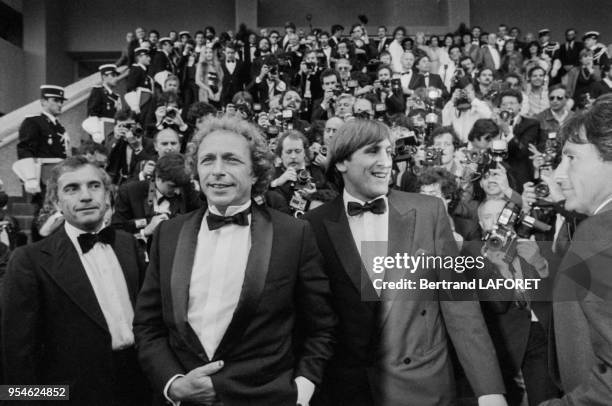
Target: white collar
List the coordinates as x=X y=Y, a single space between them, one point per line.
x=231 y=210
x=601 y=206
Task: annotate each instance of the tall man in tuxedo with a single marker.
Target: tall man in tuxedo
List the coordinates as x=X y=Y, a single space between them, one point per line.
x=234 y=75
x=392 y=349
x=582 y=292
x=67 y=303
x=235 y=308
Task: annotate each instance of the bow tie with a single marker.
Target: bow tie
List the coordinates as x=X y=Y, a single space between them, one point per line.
x=406 y=73
x=378 y=206
x=88 y=240
x=215 y=222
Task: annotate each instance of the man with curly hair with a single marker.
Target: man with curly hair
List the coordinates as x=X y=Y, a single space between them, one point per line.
x=228 y=286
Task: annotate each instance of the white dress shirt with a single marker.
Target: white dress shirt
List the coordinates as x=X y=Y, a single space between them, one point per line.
x=108 y=283
x=495 y=56
x=216 y=278
x=231 y=66
x=405 y=79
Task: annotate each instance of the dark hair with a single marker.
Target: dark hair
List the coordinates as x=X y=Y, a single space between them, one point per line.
x=558 y=86
x=330 y=72
x=454 y=46
x=243 y=95
x=535 y=68
x=263 y=169
x=324 y=33
x=350 y=137
x=154 y=32
x=124 y=115
x=398 y=28
x=429 y=140
x=200 y=109
x=511 y=93
x=71 y=164
x=90 y=147
x=336 y=27
x=198 y=32
x=447 y=181
x=592 y=126
x=384 y=66
x=514 y=75
x=168 y=98
x=290 y=24
x=532 y=43
x=211 y=29
x=274 y=32
x=171 y=168
x=483 y=127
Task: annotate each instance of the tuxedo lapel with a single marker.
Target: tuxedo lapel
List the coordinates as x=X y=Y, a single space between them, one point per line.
x=184 y=254
x=344 y=244
x=402 y=221
x=68 y=272
x=254 y=279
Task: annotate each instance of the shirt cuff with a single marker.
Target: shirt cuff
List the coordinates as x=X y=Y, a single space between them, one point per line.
x=167 y=387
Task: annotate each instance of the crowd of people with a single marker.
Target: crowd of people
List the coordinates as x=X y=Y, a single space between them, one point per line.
x=206 y=244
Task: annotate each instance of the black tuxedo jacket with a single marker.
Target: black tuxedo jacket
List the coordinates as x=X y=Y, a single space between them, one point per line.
x=34 y=136
x=101 y=103
x=134 y=201
x=53 y=330
x=284 y=288
x=118 y=167
x=526 y=132
x=260 y=92
x=316 y=90
x=232 y=82
x=397 y=349
x=137 y=77
x=161 y=62
x=570 y=56
x=434 y=81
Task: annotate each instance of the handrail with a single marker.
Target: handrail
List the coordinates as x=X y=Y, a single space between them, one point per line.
x=75 y=93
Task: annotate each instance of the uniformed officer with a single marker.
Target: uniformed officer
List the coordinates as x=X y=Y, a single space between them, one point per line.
x=600 y=52
x=43 y=136
x=103 y=100
x=549 y=47
x=162 y=61
x=138 y=75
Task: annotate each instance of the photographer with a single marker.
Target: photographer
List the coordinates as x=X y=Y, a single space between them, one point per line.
x=299 y=182
x=128 y=147
x=389 y=92
x=291 y=103
x=319 y=151
x=267 y=82
x=324 y=108
x=518 y=319
x=308 y=78
x=464 y=109
x=141 y=206
x=519 y=132
x=168 y=114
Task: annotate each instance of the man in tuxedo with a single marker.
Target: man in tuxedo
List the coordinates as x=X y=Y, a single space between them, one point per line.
x=234 y=78
x=162 y=60
x=308 y=79
x=67 y=303
x=141 y=205
x=488 y=55
x=582 y=313
x=408 y=77
x=103 y=101
x=138 y=75
x=569 y=52
x=235 y=308
x=137 y=42
x=426 y=79
x=267 y=83
x=382 y=43
x=393 y=347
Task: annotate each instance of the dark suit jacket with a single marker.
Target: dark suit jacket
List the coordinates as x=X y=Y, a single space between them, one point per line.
x=581 y=311
x=434 y=81
x=34 y=135
x=259 y=91
x=137 y=77
x=316 y=90
x=570 y=56
x=485 y=60
x=284 y=284
x=395 y=352
x=101 y=103
x=232 y=83
x=161 y=62
x=117 y=166
x=526 y=132
x=53 y=329
x=135 y=201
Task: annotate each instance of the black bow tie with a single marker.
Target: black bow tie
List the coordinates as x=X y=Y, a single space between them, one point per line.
x=88 y=240
x=215 y=222
x=378 y=206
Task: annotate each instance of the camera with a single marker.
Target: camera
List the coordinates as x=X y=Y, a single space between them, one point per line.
x=433 y=156
x=171 y=112
x=385 y=83
x=499 y=150
x=511 y=225
x=323 y=150
x=135 y=129
x=310 y=65
x=506 y=115
x=405 y=147
x=213 y=81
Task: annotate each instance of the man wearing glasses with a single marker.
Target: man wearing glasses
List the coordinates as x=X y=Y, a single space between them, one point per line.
x=559 y=112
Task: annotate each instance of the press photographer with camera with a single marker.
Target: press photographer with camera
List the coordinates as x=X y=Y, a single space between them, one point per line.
x=324 y=108
x=168 y=114
x=518 y=319
x=519 y=132
x=319 y=151
x=299 y=182
x=267 y=83
x=291 y=104
x=127 y=147
x=389 y=93
x=464 y=109
x=308 y=79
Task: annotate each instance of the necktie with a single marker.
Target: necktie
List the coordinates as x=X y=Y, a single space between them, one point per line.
x=88 y=240
x=378 y=206
x=215 y=222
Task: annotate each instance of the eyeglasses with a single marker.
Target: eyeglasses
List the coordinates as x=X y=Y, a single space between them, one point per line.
x=343 y=68
x=557 y=97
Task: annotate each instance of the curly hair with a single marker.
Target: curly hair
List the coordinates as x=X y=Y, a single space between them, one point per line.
x=263 y=168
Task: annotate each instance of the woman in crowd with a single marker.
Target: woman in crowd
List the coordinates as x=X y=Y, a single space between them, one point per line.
x=512 y=59
x=209 y=77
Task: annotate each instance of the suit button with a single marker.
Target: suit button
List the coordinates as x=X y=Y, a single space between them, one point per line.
x=424 y=312
x=602 y=368
x=407 y=361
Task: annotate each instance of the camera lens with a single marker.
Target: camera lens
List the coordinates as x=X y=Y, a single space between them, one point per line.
x=542 y=190
x=494 y=243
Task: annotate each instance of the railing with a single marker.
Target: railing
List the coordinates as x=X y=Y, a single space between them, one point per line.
x=73 y=114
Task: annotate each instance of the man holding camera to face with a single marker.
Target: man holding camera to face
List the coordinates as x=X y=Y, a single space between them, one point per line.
x=308 y=78
x=267 y=83
x=324 y=108
x=464 y=109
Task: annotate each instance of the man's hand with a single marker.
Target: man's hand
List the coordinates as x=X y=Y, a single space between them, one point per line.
x=305 y=389
x=155 y=220
x=196 y=386
x=290 y=175
x=160 y=113
x=148 y=169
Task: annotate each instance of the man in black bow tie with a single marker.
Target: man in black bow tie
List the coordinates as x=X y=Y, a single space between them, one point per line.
x=235 y=307
x=67 y=304
x=392 y=347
